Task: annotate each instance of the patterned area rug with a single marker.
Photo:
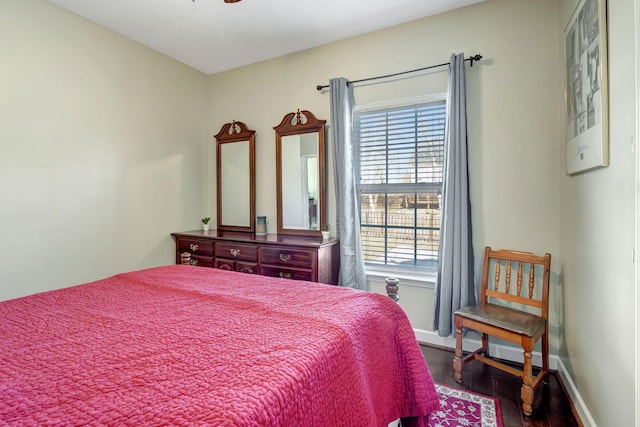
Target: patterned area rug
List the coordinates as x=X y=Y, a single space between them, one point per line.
x=464 y=408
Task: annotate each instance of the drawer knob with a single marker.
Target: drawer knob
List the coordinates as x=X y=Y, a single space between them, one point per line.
x=193 y=247
x=234 y=252
x=194 y=262
x=285 y=257
x=284 y=275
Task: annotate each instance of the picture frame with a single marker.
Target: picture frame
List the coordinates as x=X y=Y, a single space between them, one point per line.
x=587 y=95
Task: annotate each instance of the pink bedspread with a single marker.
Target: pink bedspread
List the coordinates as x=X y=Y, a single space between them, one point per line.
x=181 y=345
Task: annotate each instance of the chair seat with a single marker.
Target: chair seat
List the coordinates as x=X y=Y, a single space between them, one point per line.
x=504 y=317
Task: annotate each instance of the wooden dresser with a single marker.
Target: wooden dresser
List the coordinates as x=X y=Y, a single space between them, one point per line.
x=289 y=257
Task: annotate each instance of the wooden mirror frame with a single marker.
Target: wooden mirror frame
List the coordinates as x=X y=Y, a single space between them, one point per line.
x=229 y=133
x=293 y=124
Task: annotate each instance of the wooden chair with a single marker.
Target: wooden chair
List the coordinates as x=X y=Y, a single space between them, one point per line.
x=509 y=316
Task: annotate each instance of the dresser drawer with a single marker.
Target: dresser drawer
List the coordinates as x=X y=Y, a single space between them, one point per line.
x=232 y=265
x=287 y=257
x=247 y=267
x=225 y=264
x=199 y=247
x=201 y=261
x=287 y=273
x=237 y=251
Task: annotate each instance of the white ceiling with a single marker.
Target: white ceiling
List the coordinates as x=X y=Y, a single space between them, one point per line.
x=213 y=36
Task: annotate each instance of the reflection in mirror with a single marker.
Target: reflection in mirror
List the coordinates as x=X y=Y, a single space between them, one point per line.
x=235 y=176
x=300 y=181
x=234 y=182
x=300 y=174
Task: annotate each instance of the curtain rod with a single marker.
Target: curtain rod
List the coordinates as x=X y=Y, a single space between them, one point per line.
x=477 y=57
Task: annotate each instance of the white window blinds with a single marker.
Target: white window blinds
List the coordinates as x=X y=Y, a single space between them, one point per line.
x=400 y=160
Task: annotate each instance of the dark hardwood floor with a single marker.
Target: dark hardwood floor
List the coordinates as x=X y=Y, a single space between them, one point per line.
x=551 y=406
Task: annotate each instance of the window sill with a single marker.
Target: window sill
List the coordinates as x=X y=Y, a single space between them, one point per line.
x=419 y=279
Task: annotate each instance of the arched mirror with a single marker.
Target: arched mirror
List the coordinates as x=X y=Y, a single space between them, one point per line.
x=235 y=176
x=300 y=174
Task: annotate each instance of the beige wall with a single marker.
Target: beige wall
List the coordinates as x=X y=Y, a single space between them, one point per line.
x=597 y=240
x=514 y=116
x=102 y=144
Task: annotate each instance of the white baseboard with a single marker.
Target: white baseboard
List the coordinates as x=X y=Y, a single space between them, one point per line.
x=514 y=354
x=574 y=395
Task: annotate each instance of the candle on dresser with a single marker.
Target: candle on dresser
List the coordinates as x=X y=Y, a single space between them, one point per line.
x=261 y=226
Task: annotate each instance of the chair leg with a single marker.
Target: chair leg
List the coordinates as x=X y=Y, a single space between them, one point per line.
x=545 y=357
x=485 y=344
x=526 y=393
x=457 y=360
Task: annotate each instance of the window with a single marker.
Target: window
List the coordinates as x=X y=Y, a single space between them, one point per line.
x=399 y=158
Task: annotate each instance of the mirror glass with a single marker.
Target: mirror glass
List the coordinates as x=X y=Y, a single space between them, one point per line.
x=235 y=177
x=300 y=174
x=234 y=184
x=300 y=184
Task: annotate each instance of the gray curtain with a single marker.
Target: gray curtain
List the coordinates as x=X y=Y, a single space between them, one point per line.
x=352 y=272
x=455 y=287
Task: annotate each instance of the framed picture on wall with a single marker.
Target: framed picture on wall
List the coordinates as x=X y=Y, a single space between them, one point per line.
x=587 y=98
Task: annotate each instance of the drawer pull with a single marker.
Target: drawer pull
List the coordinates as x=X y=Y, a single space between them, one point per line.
x=285 y=257
x=284 y=275
x=193 y=247
x=234 y=252
x=194 y=262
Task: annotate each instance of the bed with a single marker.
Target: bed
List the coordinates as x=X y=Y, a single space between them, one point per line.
x=182 y=345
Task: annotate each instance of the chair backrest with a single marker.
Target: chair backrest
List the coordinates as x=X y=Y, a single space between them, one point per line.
x=497 y=278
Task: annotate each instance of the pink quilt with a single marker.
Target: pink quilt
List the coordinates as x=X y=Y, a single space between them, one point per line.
x=181 y=345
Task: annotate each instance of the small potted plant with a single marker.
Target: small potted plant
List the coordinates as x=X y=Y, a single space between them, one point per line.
x=205 y=223
x=325 y=231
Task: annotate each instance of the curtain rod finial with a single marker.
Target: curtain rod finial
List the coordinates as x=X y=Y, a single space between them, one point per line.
x=477 y=57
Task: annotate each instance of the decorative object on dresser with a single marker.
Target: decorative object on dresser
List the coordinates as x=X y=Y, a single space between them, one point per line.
x=309 y=258
x=300 y=174
x=325 y=229
x=235 y=178
x=261 y=226
x=205 y=223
